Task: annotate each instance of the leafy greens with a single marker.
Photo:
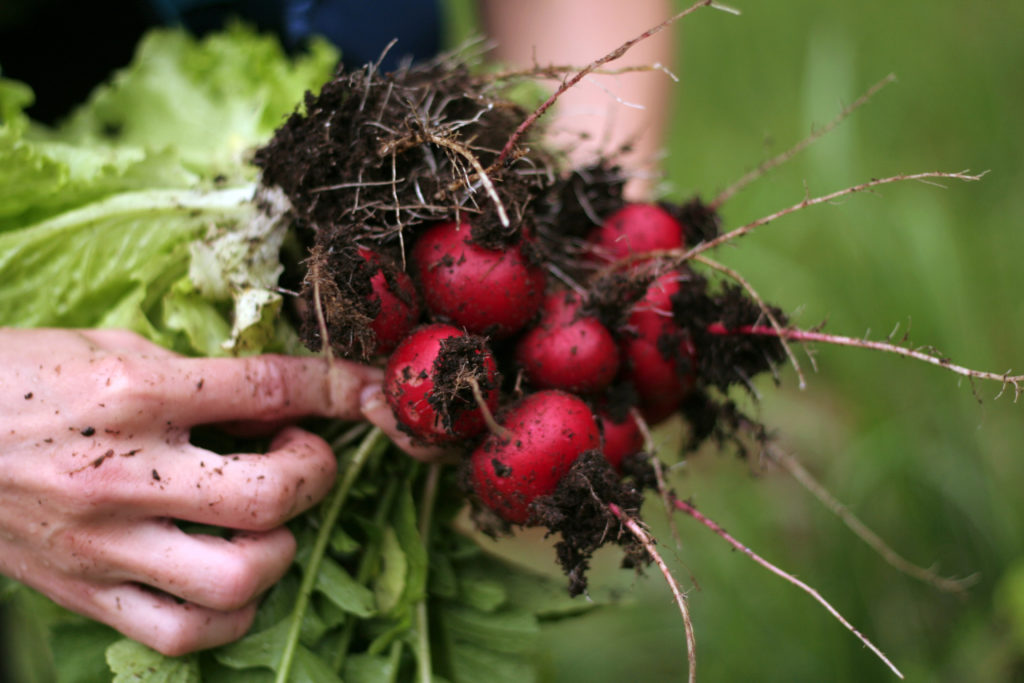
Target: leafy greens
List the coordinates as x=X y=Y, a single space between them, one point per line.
x=142 y=212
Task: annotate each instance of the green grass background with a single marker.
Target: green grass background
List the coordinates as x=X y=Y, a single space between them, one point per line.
x=908 y=447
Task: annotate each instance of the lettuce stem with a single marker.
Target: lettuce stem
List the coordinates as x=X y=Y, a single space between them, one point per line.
x=367 y=564
x=422 y=617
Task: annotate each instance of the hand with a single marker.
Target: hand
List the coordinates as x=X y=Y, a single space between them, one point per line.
x=95 y=462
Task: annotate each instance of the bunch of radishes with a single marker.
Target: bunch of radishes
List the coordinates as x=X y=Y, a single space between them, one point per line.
x=495 y=313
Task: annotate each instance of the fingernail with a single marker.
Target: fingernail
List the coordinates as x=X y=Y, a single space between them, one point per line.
x=346 y=383
x=371 y=398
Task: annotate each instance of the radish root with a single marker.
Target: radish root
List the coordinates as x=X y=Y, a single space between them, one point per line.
x=925 y=356
x=649 y=545
x=689 y=509
x=928 y=575
x=782 y=158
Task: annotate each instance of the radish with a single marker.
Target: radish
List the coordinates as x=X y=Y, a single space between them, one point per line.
x=635 y=229
x=486 y=291
x=567 y=350
x=660 y=355
x=429 y=383
x=621 y=438
x=399 y=301
x=546 y=432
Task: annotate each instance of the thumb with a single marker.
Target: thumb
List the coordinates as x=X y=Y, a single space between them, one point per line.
x=376 y=410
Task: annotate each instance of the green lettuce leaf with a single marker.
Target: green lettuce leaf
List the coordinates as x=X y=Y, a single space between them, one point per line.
x=211 y=100
x=139 y=211
x=131 y=661
x=115 y=263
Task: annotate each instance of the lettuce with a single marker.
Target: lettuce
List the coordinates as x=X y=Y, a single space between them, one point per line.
x=138 y=211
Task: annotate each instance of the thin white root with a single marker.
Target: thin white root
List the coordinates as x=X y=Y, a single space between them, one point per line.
x=928 y=575
x=680 y=256
x=782 y=158
x=321 y=321
x=925 y=356
x=677 y=592
x=832 y=196
x=683 y=506
x=597 y=64
x=481 y=173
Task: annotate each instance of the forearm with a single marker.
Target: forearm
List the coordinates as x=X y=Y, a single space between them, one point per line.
x=601 y=113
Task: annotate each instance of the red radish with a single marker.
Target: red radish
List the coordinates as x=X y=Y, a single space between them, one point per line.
x=399 y=303
x=422 y=383
x=660 y=356
x=483 y=290
x=636 y=229
x=620 y=438
x=568 y=351
x=548 y=430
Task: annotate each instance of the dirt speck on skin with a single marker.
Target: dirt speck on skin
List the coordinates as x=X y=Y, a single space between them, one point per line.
x=578 y=511
x=88 y=431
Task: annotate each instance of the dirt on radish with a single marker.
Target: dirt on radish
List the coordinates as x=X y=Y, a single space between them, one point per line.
x=394 y=175
x=425 y=186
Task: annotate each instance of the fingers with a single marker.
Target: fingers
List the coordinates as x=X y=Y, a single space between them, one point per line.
x=156 y=619
x=161 y=622
x=124 y=341
x=253 y=492
x=263 y=388
x=376 y=410
x=212 y=572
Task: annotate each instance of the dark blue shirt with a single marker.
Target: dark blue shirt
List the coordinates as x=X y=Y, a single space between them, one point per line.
x=361 y=29
x=64 y=48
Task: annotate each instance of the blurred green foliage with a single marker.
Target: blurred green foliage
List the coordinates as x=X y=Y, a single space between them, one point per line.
x=929 y=462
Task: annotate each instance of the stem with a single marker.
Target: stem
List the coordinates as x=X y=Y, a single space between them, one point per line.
x=861 y=530
x=349 y=436
x=366 y=567
x=331 y=511
x=692 y=511
x=677 y=592
x=394 y=659
x=422 y=618
x=811 y=336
